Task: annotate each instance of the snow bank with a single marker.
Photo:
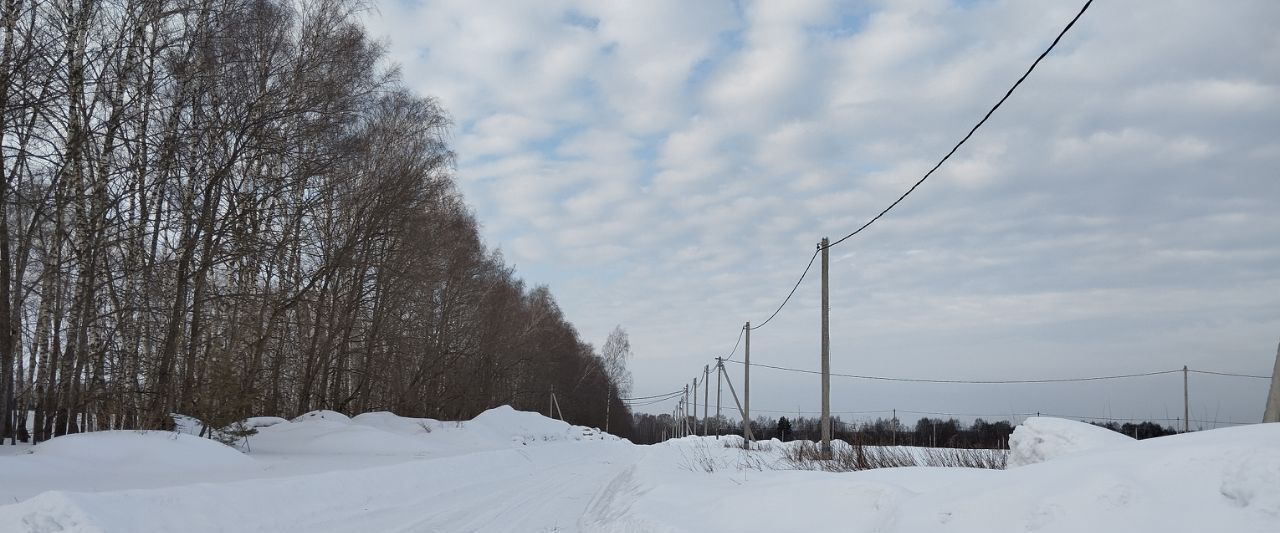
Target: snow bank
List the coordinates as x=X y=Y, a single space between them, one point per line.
x=156 y=450
x=524 y=427
x=263 y=421
x=1219 y=480
x=323 y=414
x=388 y=421
x=1040 y=439
x=531 y=489
x=324 y=433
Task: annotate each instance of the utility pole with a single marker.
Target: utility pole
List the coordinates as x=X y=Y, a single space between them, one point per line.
x=826 y=352
x=706 y=397
x=1272 y=413
x=675 y=418
x=719 y=374
x=679 y=418
x=1186 y=403
x=746 y=390
x=608 y=392
x=695 y=406
x=746 y=428
x=684 y=411
x=551 y=403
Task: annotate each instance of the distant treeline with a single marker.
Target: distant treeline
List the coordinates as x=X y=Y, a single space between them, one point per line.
x=232 y=207
x=926 y=432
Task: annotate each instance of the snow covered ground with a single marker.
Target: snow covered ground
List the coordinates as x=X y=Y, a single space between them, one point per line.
x=507 y=470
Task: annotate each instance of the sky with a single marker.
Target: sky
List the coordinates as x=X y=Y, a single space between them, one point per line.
x=669 y=166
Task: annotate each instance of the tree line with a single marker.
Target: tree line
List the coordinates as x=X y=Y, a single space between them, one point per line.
x=226 y=208
x=926 y=432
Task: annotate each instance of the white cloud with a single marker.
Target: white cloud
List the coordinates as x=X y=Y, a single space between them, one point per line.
x=1117 y=212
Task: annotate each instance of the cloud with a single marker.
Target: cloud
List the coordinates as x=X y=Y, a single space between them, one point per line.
x=669 y=166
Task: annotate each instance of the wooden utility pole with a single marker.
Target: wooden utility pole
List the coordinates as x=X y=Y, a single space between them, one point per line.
x=706 y=397
x=695 y=406
x=826 y=352
x=684 y=412
x=1272 y=413
x=608 y=392
x=1186 y=403
x=746 y=428
x=746 y=389
x=719 y=374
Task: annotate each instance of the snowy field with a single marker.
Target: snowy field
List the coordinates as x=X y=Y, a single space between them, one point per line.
x=507 y=470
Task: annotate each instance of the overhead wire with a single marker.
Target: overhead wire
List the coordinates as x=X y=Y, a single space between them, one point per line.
x=971 y=131
x=966 y=381
x=735 y=345
x=790 y=294
x=679 y=391
x=1229 y=374
x=944 y=159
x=652 y=402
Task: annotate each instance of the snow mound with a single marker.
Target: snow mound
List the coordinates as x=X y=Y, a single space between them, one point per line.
x=263 y=421
x=388 y=421
x=329 y=436
x=519 y=426
x=1216 y=480
x=1040 y=439
x=323 y=414
x=144 y=449
x=524 y=427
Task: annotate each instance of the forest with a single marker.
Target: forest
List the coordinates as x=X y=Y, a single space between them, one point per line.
x=226 y=208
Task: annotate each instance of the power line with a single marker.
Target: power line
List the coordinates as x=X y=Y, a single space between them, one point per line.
x=654 y=396
x=1229 y=374
x=652 y=402
x=790 y=294
x=735 y=344
x=971 y=131
x=968 y=381
x=781 y=411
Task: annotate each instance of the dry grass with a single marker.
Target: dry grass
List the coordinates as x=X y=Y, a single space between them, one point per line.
x=846 y=458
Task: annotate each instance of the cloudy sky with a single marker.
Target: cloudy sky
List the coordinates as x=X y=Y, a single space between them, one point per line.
x=669 y=166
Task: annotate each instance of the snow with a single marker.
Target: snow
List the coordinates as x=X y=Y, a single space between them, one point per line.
x=332 y=416
x=507 y=470
x=523 y=427
x=330 y=436
x=155 y=450
x=263 y=421
x=388 y=421
x=1042 y=438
